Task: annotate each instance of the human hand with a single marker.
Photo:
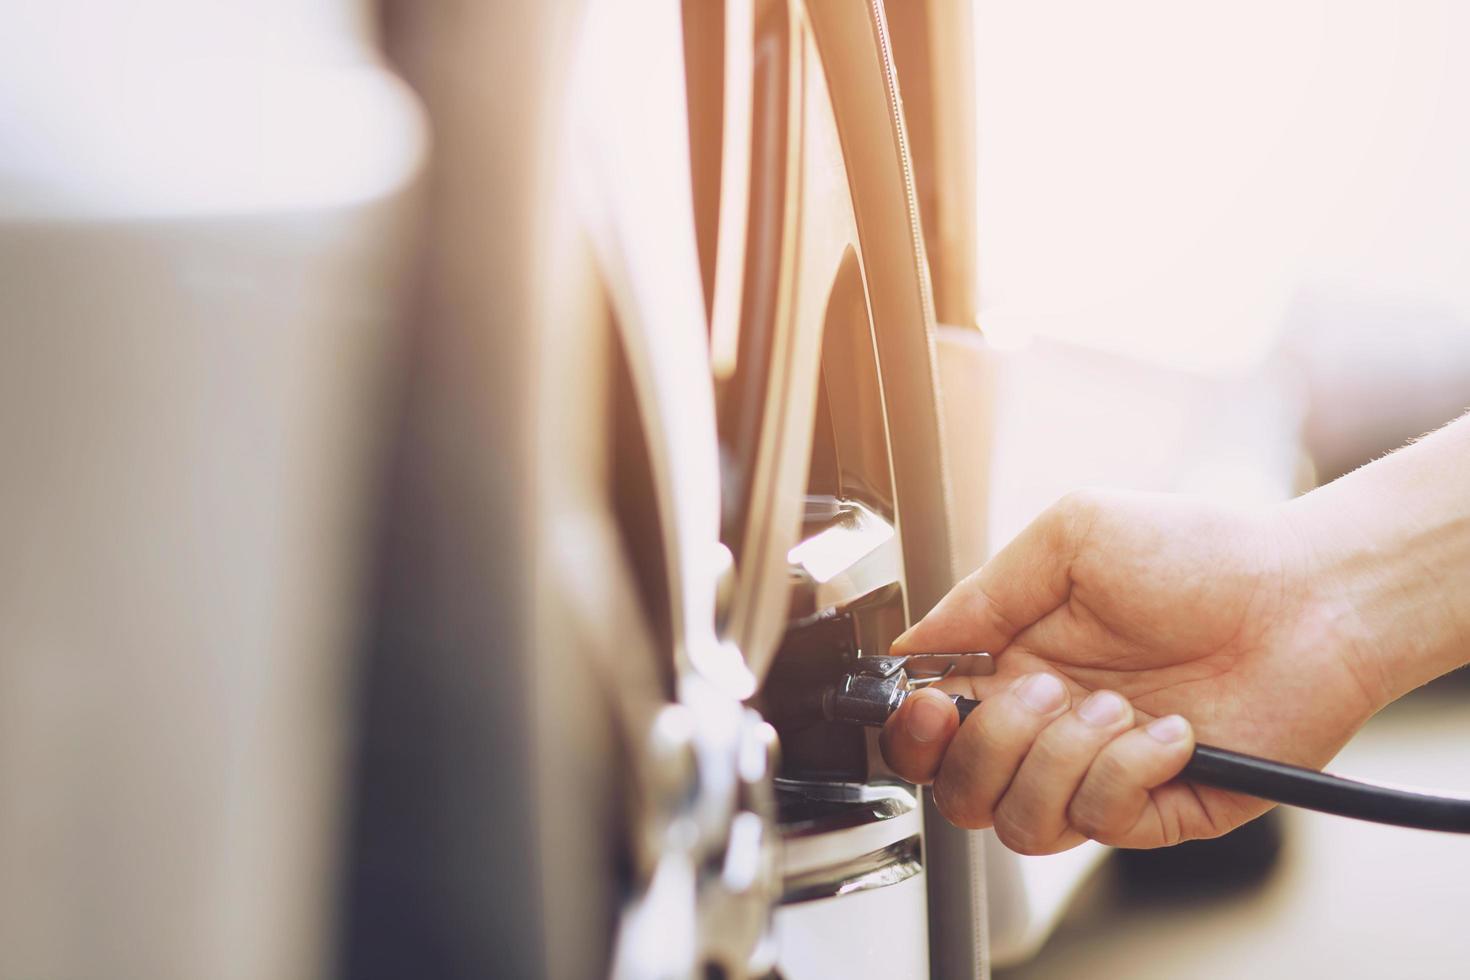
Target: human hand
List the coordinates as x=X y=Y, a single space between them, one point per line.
x=1115 y=617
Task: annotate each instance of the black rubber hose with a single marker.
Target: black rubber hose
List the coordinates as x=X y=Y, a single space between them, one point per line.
x=1313 y=790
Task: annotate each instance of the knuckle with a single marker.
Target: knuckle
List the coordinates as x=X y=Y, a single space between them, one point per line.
x=993 y=726
x=1074 y=514
x=1110 y=773
x=1213 y=823
x=1081 y=500
x=1095 y=809
x=1010 y=722
x=999 y=621
x=1053 y=746
x=1171 y=829
x=1080 y=505
x=1091 y=818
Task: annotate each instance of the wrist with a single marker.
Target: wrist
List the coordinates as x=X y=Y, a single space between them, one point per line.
x=1386 y=560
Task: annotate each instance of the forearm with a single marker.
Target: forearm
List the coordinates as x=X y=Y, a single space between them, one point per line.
x=1389 y=554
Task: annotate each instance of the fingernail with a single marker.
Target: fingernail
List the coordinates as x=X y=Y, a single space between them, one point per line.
x=927 y=718
x=1170 y=728
x=1102 y=708
x=1042 y=693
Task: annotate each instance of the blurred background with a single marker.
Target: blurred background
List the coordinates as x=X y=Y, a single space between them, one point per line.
x=1222 y=251
x=273 y=319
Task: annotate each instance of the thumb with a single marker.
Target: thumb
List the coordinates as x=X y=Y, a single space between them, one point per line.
x=914 y=739
x=1027 y=579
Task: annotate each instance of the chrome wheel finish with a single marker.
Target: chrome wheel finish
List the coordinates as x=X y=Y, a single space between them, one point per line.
x=839 y=838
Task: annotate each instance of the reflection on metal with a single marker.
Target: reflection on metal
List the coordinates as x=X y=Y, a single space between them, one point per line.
x=853 y=556
x=633 y=154
x=856 y=533
x=839 y=838
x=890 y=865
x=799 y=226
x=739 y=82
x=924 y=669
x=856 y=57
x=809 y=809
x=704 y=880
x=836 y=244
x=705 y=852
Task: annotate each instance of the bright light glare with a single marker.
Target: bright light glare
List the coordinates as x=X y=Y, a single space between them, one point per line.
x=1157 y=178
x=828 y=553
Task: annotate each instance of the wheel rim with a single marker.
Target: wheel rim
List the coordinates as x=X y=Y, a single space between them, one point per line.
x=817 y=307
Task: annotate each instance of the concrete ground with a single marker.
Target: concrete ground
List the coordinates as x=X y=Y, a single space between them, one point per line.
x=1346 y=899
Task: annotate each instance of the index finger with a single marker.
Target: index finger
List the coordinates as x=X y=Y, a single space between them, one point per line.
x=1027 y=579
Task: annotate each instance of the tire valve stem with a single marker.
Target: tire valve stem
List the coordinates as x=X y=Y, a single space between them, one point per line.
x=875 y=687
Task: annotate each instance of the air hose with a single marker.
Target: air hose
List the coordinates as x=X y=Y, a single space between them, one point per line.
x=1313 y=790
x=872 y=692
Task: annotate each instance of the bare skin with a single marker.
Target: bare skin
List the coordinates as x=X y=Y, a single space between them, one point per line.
x=1117 y=616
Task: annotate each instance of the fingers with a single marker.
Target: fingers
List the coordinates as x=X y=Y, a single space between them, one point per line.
x=990 y=746
x=1032 y=817
x=1048 y=773
x=1029 y=578
x=1113 y=804
x=915 y=738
